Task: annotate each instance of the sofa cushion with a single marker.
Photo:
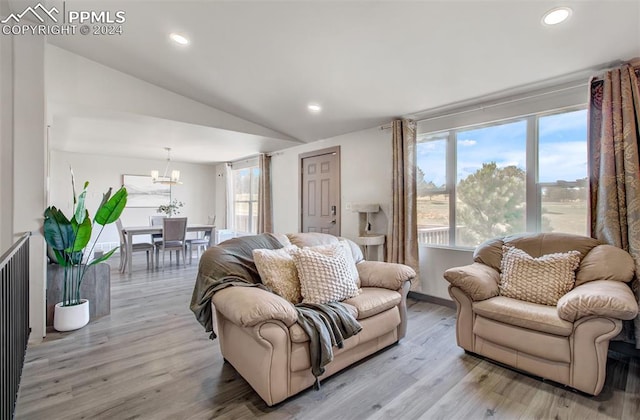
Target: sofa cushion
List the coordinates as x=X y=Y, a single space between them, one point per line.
x=298 y=335
x=541 y=280
x=373 y=300
x=606 y=262
x=325 y=277
x=534 y=244
x=528 y=315
x=372 y=329
x=546 y=346
x=278 y=272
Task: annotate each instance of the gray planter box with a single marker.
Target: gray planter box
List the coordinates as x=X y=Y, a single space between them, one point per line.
x=96 y=288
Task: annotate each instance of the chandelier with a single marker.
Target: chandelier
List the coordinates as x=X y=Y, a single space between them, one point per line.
x=174 y=176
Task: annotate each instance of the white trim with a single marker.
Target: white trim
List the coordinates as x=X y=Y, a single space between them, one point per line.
x=489 y=112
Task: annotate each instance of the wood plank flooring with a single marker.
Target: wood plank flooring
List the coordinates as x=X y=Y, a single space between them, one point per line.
x=150 y=359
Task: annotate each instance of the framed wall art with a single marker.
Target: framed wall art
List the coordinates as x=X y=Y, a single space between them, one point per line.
x=143 y=192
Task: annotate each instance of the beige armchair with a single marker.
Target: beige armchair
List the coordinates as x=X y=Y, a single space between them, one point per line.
x=566 y=343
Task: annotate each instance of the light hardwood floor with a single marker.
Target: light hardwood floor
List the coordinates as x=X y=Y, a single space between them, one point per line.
x=150 y=359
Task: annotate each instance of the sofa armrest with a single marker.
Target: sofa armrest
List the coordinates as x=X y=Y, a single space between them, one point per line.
x=477 y=280
x=249 y=306
x=385 y=275
x=604 y=298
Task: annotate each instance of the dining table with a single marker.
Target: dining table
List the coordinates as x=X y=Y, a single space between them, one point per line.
x=131 y=231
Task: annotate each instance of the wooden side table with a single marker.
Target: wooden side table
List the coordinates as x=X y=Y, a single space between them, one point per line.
x=369 y=241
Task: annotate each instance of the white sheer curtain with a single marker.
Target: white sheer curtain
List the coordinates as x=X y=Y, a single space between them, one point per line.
x=228 y=176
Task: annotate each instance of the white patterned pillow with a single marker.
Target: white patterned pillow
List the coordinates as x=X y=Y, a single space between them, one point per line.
x=278 y=272
x=325 y=276
x=329 y=250
x=542 y=280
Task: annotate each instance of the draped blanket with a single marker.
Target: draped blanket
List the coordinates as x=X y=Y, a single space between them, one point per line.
x=326 y=325
x=228 y=264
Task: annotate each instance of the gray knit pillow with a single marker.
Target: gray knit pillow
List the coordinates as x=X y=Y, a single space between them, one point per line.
x=325 y=276
x=542 y=280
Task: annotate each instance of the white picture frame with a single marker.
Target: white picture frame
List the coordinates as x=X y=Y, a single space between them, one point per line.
x=143 y=192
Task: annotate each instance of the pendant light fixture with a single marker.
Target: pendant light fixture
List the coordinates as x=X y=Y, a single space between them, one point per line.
x=174 y=175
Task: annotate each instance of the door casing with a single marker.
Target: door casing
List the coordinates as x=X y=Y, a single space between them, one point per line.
x=328 y=151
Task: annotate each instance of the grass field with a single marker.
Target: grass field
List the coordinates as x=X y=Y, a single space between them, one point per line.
x=568 y=217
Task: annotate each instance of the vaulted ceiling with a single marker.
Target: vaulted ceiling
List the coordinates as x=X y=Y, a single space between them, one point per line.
x=364 y=62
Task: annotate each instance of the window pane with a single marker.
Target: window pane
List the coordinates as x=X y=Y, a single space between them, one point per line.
x=254 y=217
x=563 y=172
x=245 y=183
x=241 y=184
x=490 y=188
x=433 y=199
x=241 y=216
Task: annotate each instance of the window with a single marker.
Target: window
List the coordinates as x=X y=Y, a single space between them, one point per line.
x=245 y=199
x=521 y=174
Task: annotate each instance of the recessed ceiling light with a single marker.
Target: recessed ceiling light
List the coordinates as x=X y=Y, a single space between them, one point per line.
x=314 y=108
x=557 y=15
x=178 y=39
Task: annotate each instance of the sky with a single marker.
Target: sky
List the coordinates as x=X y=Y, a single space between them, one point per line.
x=562 y=149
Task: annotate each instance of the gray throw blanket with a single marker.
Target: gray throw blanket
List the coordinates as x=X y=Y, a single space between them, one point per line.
x=227 y=264
x=327 y=325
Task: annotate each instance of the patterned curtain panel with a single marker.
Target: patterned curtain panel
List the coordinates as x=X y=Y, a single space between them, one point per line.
x=265 y=213
x=614 y=166
x=402 y=244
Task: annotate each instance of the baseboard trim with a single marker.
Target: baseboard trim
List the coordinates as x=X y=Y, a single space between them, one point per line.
x=432 y=299
x=624 y=348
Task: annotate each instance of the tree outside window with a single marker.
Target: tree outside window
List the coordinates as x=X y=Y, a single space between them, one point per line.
x=489 y=166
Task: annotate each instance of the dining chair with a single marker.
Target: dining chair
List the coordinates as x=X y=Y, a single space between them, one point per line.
x=174 y=232
x=136 y=247
x=205 y=242
x=156 y=221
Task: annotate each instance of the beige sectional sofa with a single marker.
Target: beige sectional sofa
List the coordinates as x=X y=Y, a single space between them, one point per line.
x=259 y=336
x=567 y=343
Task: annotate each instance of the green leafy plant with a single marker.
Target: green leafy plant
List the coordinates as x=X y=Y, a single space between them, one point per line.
x=171 y=209
x=69 y=238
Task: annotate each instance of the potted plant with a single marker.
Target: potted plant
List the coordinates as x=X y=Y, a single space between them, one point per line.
x=171 y=209
x=69 y=239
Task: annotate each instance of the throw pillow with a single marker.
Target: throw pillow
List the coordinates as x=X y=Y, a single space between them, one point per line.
x=329 y=250
x=278 y=272
x=325 y=276
x=541 y=280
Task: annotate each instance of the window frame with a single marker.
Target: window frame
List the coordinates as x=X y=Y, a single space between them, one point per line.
x=533 y=188
x=235 y=169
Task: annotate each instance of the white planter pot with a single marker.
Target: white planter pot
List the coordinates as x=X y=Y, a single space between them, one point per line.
x=69 y=318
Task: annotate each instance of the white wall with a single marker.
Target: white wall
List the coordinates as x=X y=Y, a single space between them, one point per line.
x=198 y=190
x=29 y=168
x=6 y=137
x=433 y=263
x=221 y=197
x=365 y=169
